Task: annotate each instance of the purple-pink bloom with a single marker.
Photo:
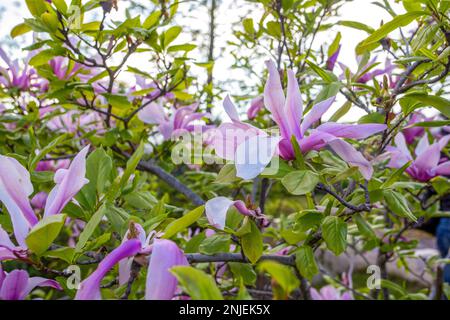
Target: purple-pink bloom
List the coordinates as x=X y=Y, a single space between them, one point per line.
x=68 y=183
x=331 y=62
x=329 y=292
x=256 y=105
x=62 y=68
x=13 y=76
x=427 y=163
x=90 y=287
x=161 y=284
x=252 y=149
x=15 y=188
x=216 y=210
x=39 y=199
x=410 y=132
x=17 y=285
x=181 y=120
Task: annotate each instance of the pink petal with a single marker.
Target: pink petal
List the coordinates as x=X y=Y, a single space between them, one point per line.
x=68 y=183
x=161 y=284
x=14 y=285
x=294 y=105
x=353 y=157
x=15 y=187
x=216 y=211
x=316 y=113
x=254 y=154
x=256 y=105
x=230 y=109
x=351 y=131
x=90 y=287
x=152 y=114
x=274 y=99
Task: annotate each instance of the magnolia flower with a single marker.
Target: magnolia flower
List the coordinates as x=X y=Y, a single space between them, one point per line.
x=252 y=149
x=216 y=211
x=329 y=293
x=68 y=183
x=180 y=120
x=427 y=163
x=333 y=59
x=39 y=199
x=256 y=105
x=13 y=77
x=160 y=283
x=17 y=285
x=90 y=287
x=62 y=68
x=16 y=187
x=411 y=133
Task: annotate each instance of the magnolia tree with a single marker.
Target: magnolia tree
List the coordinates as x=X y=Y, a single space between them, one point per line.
x=119 y=181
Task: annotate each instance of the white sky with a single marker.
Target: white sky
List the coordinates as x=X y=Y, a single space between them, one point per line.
x=357 y=10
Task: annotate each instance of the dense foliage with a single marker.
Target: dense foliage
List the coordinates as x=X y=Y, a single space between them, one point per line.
x=119 y=181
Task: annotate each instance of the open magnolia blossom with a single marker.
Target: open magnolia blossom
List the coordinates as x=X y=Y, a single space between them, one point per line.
x=164 y=254
x=427 y=163
x=16 y=187
x=252 y=149
x=329 y=292
x=13 y=76
x=216 y=210
x=182 y=119
x=17 y=284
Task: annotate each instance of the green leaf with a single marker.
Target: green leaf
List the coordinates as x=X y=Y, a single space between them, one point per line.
x=364 y=228
x=44 y=56
x=89 y=229
x=65 y=253
x=325 y=75
x=36 y=7
x=182 y=47
x=342 y=111
x=41 y=236
x=282 y=274
x=20 y=29
x=98 y=171
x=357 y=25
x=334 y=232
x=117 y=101
x=395 y=176
x=252 y=243
x=132 y=163
x=273 y=29
x=182 y=223
x=215 y=244
x=300 y=182
x=305 y=262
x=198 y=284
x=439 y=103
x=243 y=271
x=432 y=124
x=399 y=21
x=307 y=220
x=227 y=174
x=398 y=204
x=151 y=20
x=170 y=35
x=248 y=26
x=47 y=149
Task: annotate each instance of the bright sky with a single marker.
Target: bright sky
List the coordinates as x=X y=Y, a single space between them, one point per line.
x=13 y=12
